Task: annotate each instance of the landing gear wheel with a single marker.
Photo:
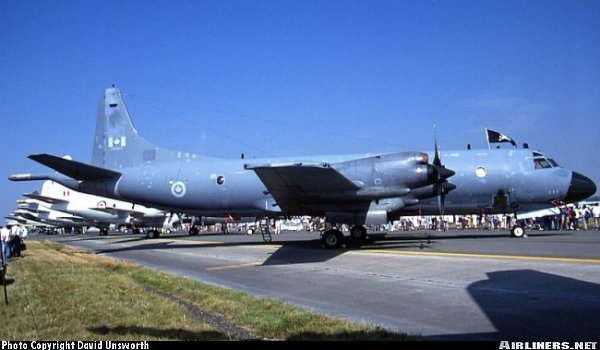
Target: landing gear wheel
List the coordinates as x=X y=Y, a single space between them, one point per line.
x=332 y=239
x=358 y=233
x=194 y=231
x=151 y=233
x=517 y=231
x=103 y=232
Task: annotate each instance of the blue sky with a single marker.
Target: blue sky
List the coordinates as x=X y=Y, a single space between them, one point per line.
x=300 y=77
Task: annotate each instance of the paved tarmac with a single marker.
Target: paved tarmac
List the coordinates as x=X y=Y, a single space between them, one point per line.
x=454 y=285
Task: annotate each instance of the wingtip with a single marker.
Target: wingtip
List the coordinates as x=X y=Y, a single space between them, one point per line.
x=37 y=156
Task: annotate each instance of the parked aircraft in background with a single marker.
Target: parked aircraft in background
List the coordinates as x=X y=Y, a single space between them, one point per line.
x=102 y=211
x=38 y=212
x=15 y=218
x=357 y=189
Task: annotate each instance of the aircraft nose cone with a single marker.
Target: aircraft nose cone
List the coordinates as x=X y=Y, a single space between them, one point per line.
x=581 y=188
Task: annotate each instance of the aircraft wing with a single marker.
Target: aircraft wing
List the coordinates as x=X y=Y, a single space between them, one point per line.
x=292 y=185
x=34 y=210
x=36 y=195
x=73 y=169
x=16 y=218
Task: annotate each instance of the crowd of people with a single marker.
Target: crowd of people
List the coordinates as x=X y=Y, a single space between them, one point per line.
x=571 y=217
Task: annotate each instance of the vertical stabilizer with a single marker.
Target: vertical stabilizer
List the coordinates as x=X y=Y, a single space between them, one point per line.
x=117 y=143
x=47 y=188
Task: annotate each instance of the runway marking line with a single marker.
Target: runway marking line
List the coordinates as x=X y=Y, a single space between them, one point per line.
x=486 y=256
x=234 y=266
x=194 y=242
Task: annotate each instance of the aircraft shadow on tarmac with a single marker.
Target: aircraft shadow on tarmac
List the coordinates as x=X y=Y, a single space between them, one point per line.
x=535 y=306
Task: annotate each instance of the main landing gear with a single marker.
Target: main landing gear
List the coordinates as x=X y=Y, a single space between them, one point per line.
x=333 y=238
x=151 y=233
x=358 y=233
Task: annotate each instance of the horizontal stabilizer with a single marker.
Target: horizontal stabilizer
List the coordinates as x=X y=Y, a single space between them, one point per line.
x=32 y=210
x=73 y=169
x=39 y=197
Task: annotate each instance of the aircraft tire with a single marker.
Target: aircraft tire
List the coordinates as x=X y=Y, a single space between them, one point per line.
x=517 y=231
x=194 y=231
x=332 y=239
x=358 y=233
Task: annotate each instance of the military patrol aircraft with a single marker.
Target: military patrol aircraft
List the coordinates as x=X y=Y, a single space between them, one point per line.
x=357 y=189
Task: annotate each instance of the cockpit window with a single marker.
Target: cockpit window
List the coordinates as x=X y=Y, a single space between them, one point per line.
x=542 y=163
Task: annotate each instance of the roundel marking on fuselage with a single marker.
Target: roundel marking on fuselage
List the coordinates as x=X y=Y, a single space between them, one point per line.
x=178 y=189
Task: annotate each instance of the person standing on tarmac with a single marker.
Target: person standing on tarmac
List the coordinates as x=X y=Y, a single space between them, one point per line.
x=5 y=236
x=596 y=214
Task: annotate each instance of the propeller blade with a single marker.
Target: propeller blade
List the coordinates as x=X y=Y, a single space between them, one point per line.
x=437 y=161
x=439 y=174
x=447 y=187
x=444 y=173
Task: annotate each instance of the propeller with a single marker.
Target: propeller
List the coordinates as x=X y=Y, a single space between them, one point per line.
x=441 y=185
